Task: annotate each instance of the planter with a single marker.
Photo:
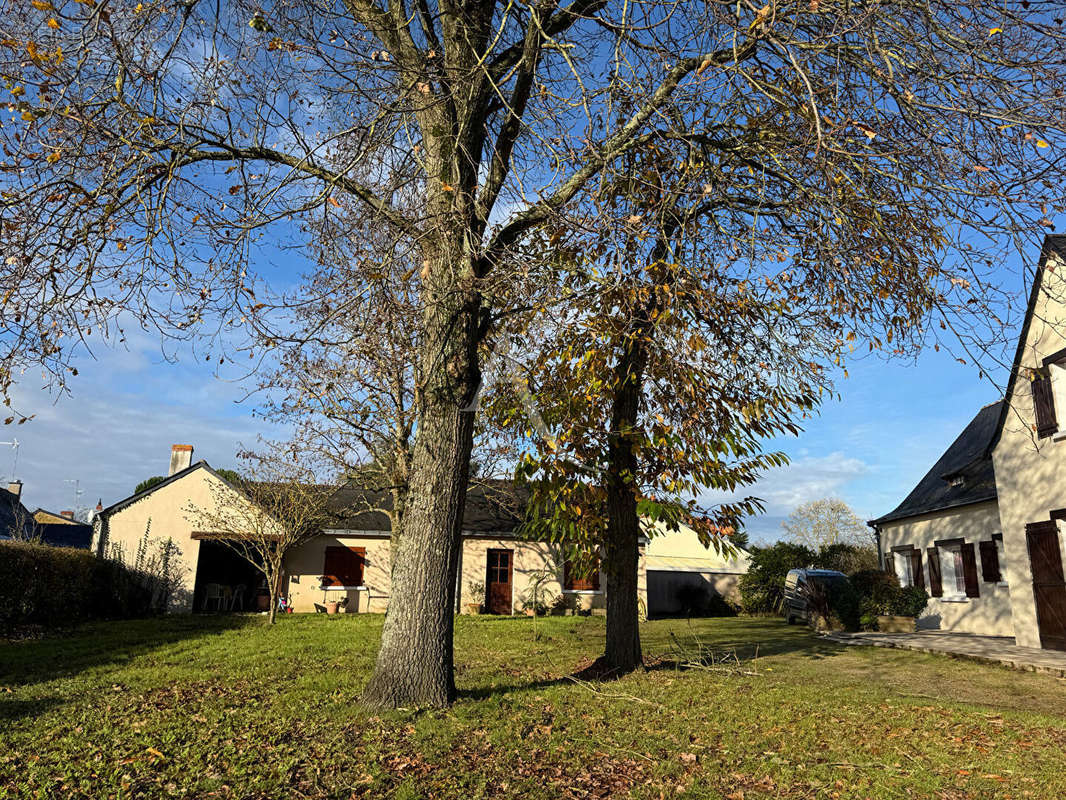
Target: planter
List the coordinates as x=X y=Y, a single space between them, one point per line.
x=262 y=602
x=473 y=608
x=332 y=607
x=894 y=624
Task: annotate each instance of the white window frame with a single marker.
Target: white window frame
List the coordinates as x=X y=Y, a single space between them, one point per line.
x=952 y=573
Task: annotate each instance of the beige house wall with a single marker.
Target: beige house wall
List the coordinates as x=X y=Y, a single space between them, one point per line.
x=165 y=514
x=989 y=614
x=304 y=567
x=1031 y=472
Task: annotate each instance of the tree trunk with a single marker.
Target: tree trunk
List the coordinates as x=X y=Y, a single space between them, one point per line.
x=414 y=664
x=273 y=580
x=622 y=653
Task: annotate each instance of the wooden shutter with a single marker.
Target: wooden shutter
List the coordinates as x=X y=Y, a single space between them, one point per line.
x=1044 y=405
x=989 y=562
x=935 y=587
x=890 y=563
x=969 y=570
x=916 y=569
x=343 y=566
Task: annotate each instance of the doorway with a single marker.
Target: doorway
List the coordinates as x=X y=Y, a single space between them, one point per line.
x=1049 y=584
x=498 y=574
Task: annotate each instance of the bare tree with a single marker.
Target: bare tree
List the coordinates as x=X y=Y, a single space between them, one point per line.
x=825 y=522
x=152 y=144
x=276 y=506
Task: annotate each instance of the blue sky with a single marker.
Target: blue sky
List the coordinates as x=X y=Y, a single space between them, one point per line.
x=129 y=405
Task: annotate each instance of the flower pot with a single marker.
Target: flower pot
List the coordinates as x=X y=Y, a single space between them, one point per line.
x=262 y=602
x=894 y=624
x=473 y=608
x=332 y=607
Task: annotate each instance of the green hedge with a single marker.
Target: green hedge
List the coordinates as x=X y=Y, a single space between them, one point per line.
x=56 y=586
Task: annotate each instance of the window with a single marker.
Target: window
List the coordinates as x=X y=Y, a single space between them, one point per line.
x=573 y=581
x=907 y=565
x=343 y=567
x=902 y=562
x=952 y=571
x=958 y=569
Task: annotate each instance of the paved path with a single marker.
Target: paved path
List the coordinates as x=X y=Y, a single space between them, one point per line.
x=987 y=649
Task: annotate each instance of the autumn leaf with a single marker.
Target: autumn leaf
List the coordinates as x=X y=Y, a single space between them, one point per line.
x=994 y=31
x=333 y=201
x=447 y=187
x=1042 y=143
x=41 y=5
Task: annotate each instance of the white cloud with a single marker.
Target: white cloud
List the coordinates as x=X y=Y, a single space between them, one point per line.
x=125 y=410
x=805 y=479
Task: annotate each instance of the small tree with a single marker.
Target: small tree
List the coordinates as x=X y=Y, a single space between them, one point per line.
x=148 y=483
x=275 y=507
x=826 y=522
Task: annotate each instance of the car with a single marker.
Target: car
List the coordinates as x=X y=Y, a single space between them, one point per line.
x=798 y=584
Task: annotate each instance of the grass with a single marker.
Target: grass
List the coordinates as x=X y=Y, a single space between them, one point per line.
x=228 y=707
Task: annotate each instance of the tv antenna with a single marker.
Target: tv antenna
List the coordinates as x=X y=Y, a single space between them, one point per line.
x=78 y=492
x=14 y=445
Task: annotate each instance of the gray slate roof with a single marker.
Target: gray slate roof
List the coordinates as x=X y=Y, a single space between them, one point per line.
x=969 y=457
x=59 y=534
x=491 y=506
x=12 y=515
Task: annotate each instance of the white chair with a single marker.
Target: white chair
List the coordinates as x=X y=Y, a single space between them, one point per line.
x=236 y=601
x=212 y=591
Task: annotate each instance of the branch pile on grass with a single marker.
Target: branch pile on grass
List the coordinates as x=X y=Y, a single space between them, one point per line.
x=694 y=654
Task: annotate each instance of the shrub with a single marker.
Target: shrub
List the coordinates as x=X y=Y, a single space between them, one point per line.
x=762 y=589
x=880 y=593
x=834 y=603
x=911 y=601
x=54 y=586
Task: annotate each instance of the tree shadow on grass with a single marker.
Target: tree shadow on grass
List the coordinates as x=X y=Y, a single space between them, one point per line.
x=687 y=651
x=103 y=644
x=12 y=710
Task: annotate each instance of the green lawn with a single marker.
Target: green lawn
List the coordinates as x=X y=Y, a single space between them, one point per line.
x=227 y=707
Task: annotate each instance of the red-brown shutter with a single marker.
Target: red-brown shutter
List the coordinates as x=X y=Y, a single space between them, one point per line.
x=343 y=566
x=916 y=569
x=935 y=587
x=989 y=562
x=969 y=570
x=1044 y=404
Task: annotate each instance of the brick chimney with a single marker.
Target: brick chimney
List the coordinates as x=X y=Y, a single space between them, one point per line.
x=66 y=514
x=180 y=457
x=15 y=487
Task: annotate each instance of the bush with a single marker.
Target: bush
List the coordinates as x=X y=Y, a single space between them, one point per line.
x=762 y=589
x=880 y=593
x=834 y=604
x=55 y=586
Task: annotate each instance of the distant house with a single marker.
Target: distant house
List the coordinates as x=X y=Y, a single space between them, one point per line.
x=16 y=522
x=982 y=531
x=61 y=530
x=350 y=561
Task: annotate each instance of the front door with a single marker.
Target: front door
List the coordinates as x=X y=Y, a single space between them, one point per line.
x=1049 y=585
x=498 y=582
